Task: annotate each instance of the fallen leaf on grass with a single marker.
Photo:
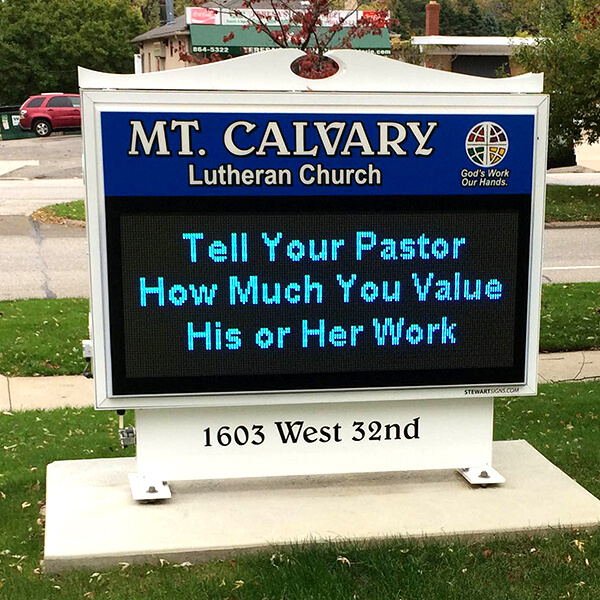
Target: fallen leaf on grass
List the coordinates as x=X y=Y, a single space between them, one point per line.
x=26 y=505
x=48 y=364
x=344 y=560
x=48 y=216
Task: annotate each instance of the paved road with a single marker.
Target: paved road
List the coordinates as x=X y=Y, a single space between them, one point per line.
x=47 y=261
x=23 y=197
x=571 y=254
x=36 y=172
x=39 y=260
x=50 y=261
x=55 y=157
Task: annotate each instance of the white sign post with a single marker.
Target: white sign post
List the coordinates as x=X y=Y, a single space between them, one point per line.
x=296 y=277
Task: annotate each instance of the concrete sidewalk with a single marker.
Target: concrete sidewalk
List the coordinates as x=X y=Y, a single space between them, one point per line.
x=32 y=393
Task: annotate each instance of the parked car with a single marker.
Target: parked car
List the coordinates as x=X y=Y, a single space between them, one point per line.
x=50 y=112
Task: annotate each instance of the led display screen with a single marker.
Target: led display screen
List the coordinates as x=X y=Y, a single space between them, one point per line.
x=213 y=294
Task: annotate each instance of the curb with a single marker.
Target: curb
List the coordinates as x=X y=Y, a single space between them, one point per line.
x=572 y=225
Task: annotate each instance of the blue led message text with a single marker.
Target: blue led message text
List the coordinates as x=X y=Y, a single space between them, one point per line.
x=309 y=293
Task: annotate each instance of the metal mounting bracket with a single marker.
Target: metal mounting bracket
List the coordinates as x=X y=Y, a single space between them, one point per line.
x=148 y=489
x=482 y=475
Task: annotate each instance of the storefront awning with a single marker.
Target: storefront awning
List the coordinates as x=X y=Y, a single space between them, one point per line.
x=209 y=39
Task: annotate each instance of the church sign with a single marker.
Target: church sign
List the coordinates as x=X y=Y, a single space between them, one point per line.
x=286 y=249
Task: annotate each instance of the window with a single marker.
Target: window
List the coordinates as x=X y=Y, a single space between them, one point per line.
x=482 y=66
x=76 y=101
x=35 y=102
x=59 y=101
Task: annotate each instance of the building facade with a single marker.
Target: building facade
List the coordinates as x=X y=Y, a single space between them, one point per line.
x=210 y=30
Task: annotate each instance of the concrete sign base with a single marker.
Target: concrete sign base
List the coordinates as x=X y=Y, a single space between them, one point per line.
x=92 y=521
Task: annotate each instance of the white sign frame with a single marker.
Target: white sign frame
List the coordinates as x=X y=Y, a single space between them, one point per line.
x=128 y=92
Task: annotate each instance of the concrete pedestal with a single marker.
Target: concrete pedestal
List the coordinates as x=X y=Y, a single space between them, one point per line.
x=93 y=522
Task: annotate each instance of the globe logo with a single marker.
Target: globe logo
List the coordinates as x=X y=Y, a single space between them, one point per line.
x=486 y=144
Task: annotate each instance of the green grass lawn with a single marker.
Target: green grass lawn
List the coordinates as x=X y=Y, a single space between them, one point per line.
x=570 y=317
x=42 y=337
x=561 y=422
x=572 y=203
x=563 y=203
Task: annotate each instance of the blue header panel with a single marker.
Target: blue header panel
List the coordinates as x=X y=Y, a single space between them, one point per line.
x=250 y=154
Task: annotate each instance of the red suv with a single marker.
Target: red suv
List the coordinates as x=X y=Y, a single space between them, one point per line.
x=50 y=112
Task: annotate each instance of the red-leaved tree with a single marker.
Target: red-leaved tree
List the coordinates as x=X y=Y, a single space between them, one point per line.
x=313 y=26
